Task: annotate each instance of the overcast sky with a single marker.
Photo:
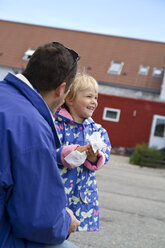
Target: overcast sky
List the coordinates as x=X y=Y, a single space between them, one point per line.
x=142 y=19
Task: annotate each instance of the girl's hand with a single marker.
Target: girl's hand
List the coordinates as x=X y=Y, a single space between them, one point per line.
x=83 y=148
x=91 y=156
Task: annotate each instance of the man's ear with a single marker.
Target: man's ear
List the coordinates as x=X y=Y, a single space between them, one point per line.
x=60 y=90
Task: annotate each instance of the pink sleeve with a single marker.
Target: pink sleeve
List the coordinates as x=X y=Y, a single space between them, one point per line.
x=65 y=151
x=98 y=165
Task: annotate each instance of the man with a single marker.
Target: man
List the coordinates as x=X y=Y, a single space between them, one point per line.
x=32 y=200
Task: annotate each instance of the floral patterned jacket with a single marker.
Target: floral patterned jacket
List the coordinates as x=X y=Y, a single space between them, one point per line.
x=80 y=182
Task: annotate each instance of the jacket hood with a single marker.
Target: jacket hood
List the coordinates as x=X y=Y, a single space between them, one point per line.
x=64 y=115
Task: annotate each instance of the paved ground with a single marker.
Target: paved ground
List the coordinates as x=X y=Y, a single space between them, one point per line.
x=132 y=208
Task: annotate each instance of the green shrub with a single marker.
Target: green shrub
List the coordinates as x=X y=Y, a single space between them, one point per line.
x=136 y=156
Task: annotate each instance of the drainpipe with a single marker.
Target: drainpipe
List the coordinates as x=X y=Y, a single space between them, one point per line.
x=162 y=93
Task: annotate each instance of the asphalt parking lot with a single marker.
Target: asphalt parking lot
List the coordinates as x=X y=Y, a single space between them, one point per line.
x=132 y=207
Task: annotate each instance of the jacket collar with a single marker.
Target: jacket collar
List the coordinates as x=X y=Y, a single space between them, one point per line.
x=24 y=79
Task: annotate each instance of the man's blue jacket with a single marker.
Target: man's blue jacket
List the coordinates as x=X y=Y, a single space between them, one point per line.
x=32 y=198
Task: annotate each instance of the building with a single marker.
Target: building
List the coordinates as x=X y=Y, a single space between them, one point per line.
x=130 y=73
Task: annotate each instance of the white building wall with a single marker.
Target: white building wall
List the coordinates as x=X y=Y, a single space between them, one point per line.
x=110 y=90
x=4 y=70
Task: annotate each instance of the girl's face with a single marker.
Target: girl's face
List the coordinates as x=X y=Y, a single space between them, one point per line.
x=84 y=104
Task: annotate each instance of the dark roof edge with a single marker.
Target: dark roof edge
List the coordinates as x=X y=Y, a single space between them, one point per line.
x=129 y=87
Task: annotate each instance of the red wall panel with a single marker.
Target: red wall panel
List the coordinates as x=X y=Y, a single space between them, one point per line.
x=135 y=121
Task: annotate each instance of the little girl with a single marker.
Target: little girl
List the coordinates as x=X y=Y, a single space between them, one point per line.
x=81 y=137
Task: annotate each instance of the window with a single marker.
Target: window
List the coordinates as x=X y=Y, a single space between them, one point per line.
x=143 y=69
x=111 y=114
x=160 y=128
x=115 y=67
x=157 y=72
x=28 y=54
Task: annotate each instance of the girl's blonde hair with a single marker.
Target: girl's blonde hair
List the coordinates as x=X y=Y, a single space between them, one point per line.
x=82 y=81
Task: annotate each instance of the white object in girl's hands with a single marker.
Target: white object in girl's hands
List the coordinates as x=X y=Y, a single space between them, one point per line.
x=76 y=158
x=96 y=142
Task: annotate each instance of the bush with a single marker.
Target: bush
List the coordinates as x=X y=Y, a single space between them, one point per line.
x=136 y=156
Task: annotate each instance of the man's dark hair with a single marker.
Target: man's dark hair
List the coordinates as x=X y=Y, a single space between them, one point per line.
x=49 y=66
